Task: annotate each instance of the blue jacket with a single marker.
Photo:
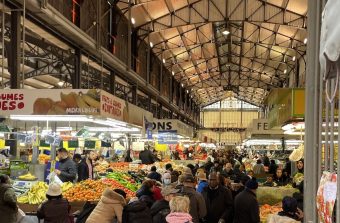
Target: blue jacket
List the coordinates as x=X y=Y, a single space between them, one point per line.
x=201 y=186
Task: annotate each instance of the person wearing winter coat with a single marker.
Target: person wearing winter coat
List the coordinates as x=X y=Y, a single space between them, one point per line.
x=273 y=167
x=246 y=205
x=279 y=178
x=154 y=175
x=55 y=209
x=228 y=171
x=67 y=170
x=290 y=212
x=179 y=207
x=202 y=182
x=145 y=193
x=198 y=208
x=85 y=167
x=109 y=207
x=258 y=168
x=146 y=157
x=219 y=201
x=136 y=212
x=160 y=209
x=8 y=201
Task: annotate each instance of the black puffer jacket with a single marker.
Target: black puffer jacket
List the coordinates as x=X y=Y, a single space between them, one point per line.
x=136 y=212
x=159 y=210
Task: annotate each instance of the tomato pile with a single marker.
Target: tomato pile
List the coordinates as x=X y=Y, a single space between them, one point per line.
x=88 y=190
x=116 y=185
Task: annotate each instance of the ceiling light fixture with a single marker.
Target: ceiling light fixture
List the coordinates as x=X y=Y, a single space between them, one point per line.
x=151 y=44
x=173 y=73
x=285 y=71
x=163 y=60
x=133 y=21
x=61 y=83
x=225 y=32
x=305 y=41
x=294 y=58
x=182 y=85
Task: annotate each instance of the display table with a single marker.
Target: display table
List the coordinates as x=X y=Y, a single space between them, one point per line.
x=32 y=208
x=273 y=195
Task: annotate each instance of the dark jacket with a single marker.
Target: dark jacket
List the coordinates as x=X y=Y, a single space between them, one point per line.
x=219 y=204
x=68 y=170
x=272 y=168
x=136 y=212
x=208 y=166
x=54 y=211
x=8 y=204
x=145 y=195
x=83 y=170
x=198 y=209
x=155 y=176
x=146 y=157
x=228 y=174
x=246 y=208
x=159 y=210
x=282 y=181
x=299 y=198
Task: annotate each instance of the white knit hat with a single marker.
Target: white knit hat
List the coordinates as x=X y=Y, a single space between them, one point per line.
x=54 y=190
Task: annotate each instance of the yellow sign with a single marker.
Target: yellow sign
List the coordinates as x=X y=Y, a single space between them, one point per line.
x=161 y=147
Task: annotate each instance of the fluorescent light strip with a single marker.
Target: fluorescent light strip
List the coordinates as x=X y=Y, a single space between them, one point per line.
x=57 y=118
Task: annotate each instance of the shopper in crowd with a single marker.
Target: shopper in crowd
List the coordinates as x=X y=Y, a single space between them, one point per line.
x=109 y=207
x=8 y=201
x=207 y=166
x=258 y=168
x=192 y=168
x=145 y=193
x=218 y=200
x=175 y=155
x=246 y=205
x=168 y=167
x=288 y=168
x=216 y=167
x=77 y=158
x=55 y=209
x=197 y=204
x=250 y=174
x=266 y=161
x=154 y=175
x=166 y=179
x=299 y=175
x=273 y=167
x=290 y=212
x=279 y=178
x=187 y=171
x=146 y=156
x=174 y=175
x=179 y=207
x=136 y=211
x=85 y=168
x=160 y=209
x=180 y=182
x=228 y=170
x=156 y=189
x=299 y=196
x=269 y=182
x=202 y=182
x=67 y=170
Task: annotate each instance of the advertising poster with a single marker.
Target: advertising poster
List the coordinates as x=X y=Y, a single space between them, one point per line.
x=326 y=196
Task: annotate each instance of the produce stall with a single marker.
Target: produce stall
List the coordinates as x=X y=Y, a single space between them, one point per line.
x=273 y=195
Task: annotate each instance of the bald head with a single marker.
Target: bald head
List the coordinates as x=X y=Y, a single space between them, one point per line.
x=213 y=180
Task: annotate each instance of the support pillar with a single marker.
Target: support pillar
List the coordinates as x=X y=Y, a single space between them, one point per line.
x=171 y=94
x=14 y=50
x=112 y=83
x=134 y=95
x=129 y=37
x=148 y=57
x=312 y=112
x=98 y=24
x=76 y=78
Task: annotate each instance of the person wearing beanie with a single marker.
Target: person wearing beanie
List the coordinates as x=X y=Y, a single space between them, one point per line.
x=246 y=205
x=55 y=209
x=290 y=212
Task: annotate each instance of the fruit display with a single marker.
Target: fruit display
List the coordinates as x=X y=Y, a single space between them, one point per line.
x=273 y=195
x=36 y=195
x=82 y=103
x=126 y=179
x=66 y=186
x=27 y=177
x=87 y=190
x=120 y=166
x=117 y=185
x=266 y=210
x=43 y=158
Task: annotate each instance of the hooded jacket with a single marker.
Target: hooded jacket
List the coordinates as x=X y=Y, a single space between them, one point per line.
x=83 y=170
x=177 y=217
x=110 y=206
x=136 y=212
x=8 y=204
x=68 y=170
x=54 y=211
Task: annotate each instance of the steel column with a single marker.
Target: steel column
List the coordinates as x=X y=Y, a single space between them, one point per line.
x=312 y=112
x=148 y=57
x=112 y=83
x=76 y=77
x=14 y=51
x=98 y=23
x=134 y=95
x=129 y=36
